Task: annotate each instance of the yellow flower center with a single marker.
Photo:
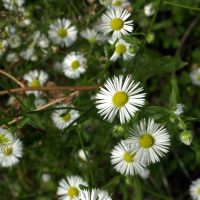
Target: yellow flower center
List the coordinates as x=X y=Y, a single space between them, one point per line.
x=3 y=139
x=1 y=45
x=117 y=3
x=66 y=117
x=128 y=157
x=35 y=83
x=73 y=192
x=146 y=141
x=120 y=48
x=7 y=151
x=117 y=24
x=75 y=64
x=198 y=77
x=120 y=99
x=199 y=190
x=62 y=33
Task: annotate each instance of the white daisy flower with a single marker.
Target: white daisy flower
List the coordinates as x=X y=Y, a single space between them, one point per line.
x=151 y=141
x=61 y=33
x=69 y=188
x=144 y=174
x=74 y=65
x=3 y=45
x=114 y=20
x=179 y=109
x=123 y=159
x=149 y=10
x=195 y=76
x=119 y=96
x=39 y=103
x=195 y=189
x=120 y=3
x=62 y=122
x=10 y=4
x=35 y=78
x=46 y=177
x=10 y=156
x=91 y=35
x=15 y=41
x=6 y=139
x=25 y=22
x=105 y=2
x=121 y=49
x=58 y=66
x=12 y=57
x=93 y=195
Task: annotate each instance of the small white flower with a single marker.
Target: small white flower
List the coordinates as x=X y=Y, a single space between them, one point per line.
x=61 y=33
x=149 y=10
x=195 y=76
x=10 y=156
x=62 y=122
x=39 y=103
x=34 y=58
x=195 y=189
x=46 y=177
x=105 y=2
x=74 y=65
x=91 y=35
x=151 y=141
x=120 y=3
x=179 y=109
x=3 y=45
x=25 y=22
x=10 y=4
x=43 y=42
x=121 y=49
x=119 y=96
x=15 y=41
x=93 y=195
x=11 y=57
x=35 y=78
x=114 y=20
x=6 y=139
x=124 y=160
x=69 y=188
x=144 y=174
x=82 y=155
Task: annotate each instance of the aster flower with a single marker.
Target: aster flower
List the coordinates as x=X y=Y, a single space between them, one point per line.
x=58 y=66
x=35 y=78
x=74 y=65
x=179 y=109
x=93 y=195
x=10 y=156
x=151 y=141
x=105 y=2
x=46 y=177
x=43 y=42
x=144 y=174
x=62 y=122
x=195 y=189
x=120 y=3
x=12 y=57
x=195 y=76
x=114 y=20
x=121 y=49
x=10 y=4
x=124 y=160
x=69 y=188
x=149 y=10
x=91 y=35
x=15 y=41
x=39 y=102
x=119 y=96
x=61 y=33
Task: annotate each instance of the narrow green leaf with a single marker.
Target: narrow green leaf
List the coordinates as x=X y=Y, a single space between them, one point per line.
x=155 y=109
x=23 y=122
x=188 y=118
x=30 y=101
x=173 y=99
x=65 y=113
x=85 y=135
x=31 y=121
x=86 y=122
x=163 y=119
x=131 y=40
x=83 y=187
x=109 y=50
x=89 y=148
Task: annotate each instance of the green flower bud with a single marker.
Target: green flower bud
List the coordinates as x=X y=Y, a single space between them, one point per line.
x=172 y=119
x=118 y=130
x=150 y=37
x=182 y=126
x=132 y=48
x=186 y=137
x=128 y=181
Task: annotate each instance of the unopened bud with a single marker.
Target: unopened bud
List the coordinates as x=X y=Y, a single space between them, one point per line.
x=118 y=130
x=172 y=119
x=128 y=181
x=182 y=126
x=132 y=48
x=55 y=49
x=186 y=137
x=150 y=37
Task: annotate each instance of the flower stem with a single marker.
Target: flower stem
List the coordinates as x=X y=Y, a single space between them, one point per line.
x=182 y=6
x=88 y=162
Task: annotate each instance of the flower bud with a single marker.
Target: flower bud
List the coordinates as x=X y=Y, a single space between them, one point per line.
x=132 y=48
x=150 y=37
x=186 y=137
x=172 y=119
x=182 y=126
x=118 y=130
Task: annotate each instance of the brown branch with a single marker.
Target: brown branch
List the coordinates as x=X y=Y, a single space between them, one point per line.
x=13 y=78
x=45 y=106
x=77 y=88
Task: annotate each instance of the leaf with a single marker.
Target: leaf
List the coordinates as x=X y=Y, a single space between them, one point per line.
x=30 y=101
x=188 y=118
x=85 y=135
x=109 y=50
x=86 y=122
x=155 y=109
x=23 y=122
x=31 y=121
x=161 y=65
x=65 y=113
x=89 y=148
x=131 y=39
x=173 y=99
x=163 y=119
x=83 y=187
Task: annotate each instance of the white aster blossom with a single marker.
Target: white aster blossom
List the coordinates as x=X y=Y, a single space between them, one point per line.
x=11 y=4
x=74 y=65
x=58 y=66
x=195 y=76
x=151 y=141
x=93 y=195
x=195 y=189
x=114 y=20
x=10 y=156
x=39 y=103
x=62 y=33
x=15 y=41
x=62 y=122
x=91 y=35
x=25 y=22
x=179 y=109
x=144 y=174
x=120 y=3
x=69 y=188
x=12 y=57
x=105 y=2
x=35 y=78
x=43 y=42
x=121 y=49
x=46 y=177
x=124 y=160
x=119 y=96
x=149 y=10
x=82 y=156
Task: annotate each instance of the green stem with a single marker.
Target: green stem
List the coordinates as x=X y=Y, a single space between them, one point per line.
x=111 y=182
x=88 y=162
x=182 y=6
x=138 y=189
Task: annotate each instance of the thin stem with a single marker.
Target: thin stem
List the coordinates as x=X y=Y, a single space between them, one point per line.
x=182 y=6
x=111 y=182
x=88 y=162
x=138 y=189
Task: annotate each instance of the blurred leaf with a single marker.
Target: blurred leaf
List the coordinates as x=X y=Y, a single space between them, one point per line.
x=155 y=109
x=23 y=122
x=158 y=66
x=188 y=118
x=31 y=121
x=65 y=113
x=85 y=135
x=83 y=187
x=109 y=50
x=173 y=99
x=30 y=101
x=89 y=148
x=86 y=122
x=131 y=40
x=163 y=119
